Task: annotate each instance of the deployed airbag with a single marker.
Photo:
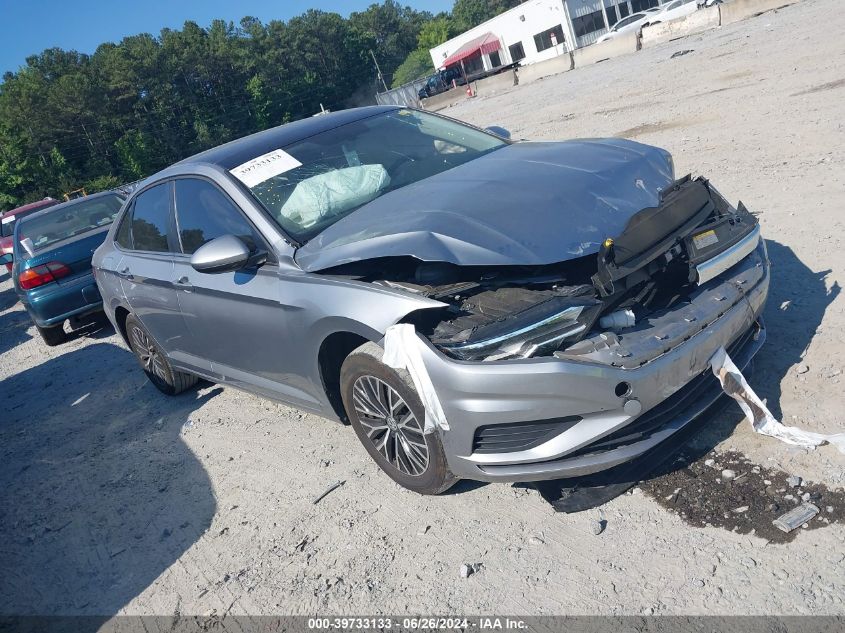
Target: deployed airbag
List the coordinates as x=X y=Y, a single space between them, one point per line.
x=403 y=349
x=761 y=419
x=334 y=193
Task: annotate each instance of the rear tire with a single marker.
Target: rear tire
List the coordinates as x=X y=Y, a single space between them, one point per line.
x=154 y=361
x=54 y=335
x=388 y=417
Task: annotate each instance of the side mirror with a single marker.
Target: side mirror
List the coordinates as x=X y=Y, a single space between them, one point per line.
x=498 y=131
x=221 y=255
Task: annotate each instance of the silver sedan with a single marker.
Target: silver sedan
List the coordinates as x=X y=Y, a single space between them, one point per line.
x=475 y=307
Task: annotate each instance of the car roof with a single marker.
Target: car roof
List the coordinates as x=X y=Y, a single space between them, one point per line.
x=32 y=206
x=71 y=203
x=239 y=151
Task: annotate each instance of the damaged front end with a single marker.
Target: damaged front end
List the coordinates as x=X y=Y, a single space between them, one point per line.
x=584 y=306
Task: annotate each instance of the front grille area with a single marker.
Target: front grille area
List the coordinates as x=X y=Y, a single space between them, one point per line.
x=519 y=436
x=654 y=419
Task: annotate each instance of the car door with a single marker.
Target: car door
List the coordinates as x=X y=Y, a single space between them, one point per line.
x=146 y=240
x=236 y=319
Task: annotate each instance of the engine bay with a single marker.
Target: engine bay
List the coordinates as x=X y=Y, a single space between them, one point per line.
x=652 y=268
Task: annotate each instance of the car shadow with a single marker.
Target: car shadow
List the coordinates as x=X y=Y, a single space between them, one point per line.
x=463 y=486
x=95 y=326
x=13 y=331
x=100 y=494
x=14 y=326
x=8 y=298
x=798 y=299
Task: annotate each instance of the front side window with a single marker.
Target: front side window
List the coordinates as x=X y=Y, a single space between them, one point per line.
x=151 y=219
x=327 y=176
x=69 y=221
x=203 y=213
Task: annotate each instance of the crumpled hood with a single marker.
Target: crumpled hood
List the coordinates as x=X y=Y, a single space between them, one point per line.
x=525 y=204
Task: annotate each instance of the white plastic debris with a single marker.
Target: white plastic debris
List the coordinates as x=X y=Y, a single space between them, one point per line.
x=403 y=350
x=618 y=320
x=762 y=421
x=795 y=517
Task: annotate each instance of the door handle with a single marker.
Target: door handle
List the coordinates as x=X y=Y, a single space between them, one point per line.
x=124 y=272
x=183 y=283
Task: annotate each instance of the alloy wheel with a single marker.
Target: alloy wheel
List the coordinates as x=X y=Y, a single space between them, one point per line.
x=148 y=354
x=390 y=425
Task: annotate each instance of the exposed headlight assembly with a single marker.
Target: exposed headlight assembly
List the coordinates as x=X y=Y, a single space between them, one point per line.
x=541 y=328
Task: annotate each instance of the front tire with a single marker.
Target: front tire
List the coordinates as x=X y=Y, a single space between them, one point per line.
x=154 y=362
x=54 y=335
x=388 y=417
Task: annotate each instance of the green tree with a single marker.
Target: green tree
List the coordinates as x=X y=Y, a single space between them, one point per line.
x=435 y=32
x=102 y=183
x=417 y=64
x=135 y=106
x=469 y=13
x=391 y=31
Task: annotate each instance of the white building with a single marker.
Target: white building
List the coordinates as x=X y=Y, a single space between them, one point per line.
x=534 y=31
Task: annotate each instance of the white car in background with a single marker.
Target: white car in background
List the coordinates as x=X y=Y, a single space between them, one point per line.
x=675 y=10
x=628 y=24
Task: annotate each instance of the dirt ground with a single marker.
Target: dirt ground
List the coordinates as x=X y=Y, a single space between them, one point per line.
x=116 y=499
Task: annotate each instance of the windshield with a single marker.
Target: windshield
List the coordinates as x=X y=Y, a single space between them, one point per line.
x=67 y=221
x=312 y=184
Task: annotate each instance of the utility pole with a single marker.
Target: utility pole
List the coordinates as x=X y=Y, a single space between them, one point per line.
x=378 y=70
x=88 y=136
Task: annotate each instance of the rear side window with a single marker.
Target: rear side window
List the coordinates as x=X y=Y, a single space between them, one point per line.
x=151 y=219
x=203 y=213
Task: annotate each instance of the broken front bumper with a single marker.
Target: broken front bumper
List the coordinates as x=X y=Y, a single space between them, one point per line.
x=547 y=418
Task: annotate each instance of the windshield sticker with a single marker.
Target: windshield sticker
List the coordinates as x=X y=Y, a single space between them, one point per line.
x=264 y=167
x=7 y=219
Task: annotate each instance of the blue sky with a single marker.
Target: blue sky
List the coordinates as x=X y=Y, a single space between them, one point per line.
x=29 y=26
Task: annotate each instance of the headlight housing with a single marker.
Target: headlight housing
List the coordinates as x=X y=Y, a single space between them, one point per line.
x=541 y=328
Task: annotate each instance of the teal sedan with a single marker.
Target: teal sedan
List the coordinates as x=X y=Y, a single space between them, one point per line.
x=52 y=261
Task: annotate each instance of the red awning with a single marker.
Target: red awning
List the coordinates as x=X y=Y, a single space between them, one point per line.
x=483 y=44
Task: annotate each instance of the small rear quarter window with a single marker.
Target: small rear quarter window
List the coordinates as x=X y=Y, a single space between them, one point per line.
x=123 y=238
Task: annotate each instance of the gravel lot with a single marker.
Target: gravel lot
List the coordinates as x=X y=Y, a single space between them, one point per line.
x=116 y=499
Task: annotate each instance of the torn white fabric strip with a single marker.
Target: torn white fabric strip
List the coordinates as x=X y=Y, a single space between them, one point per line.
x=264 y=167
x=762 y=421
x=403 y=350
